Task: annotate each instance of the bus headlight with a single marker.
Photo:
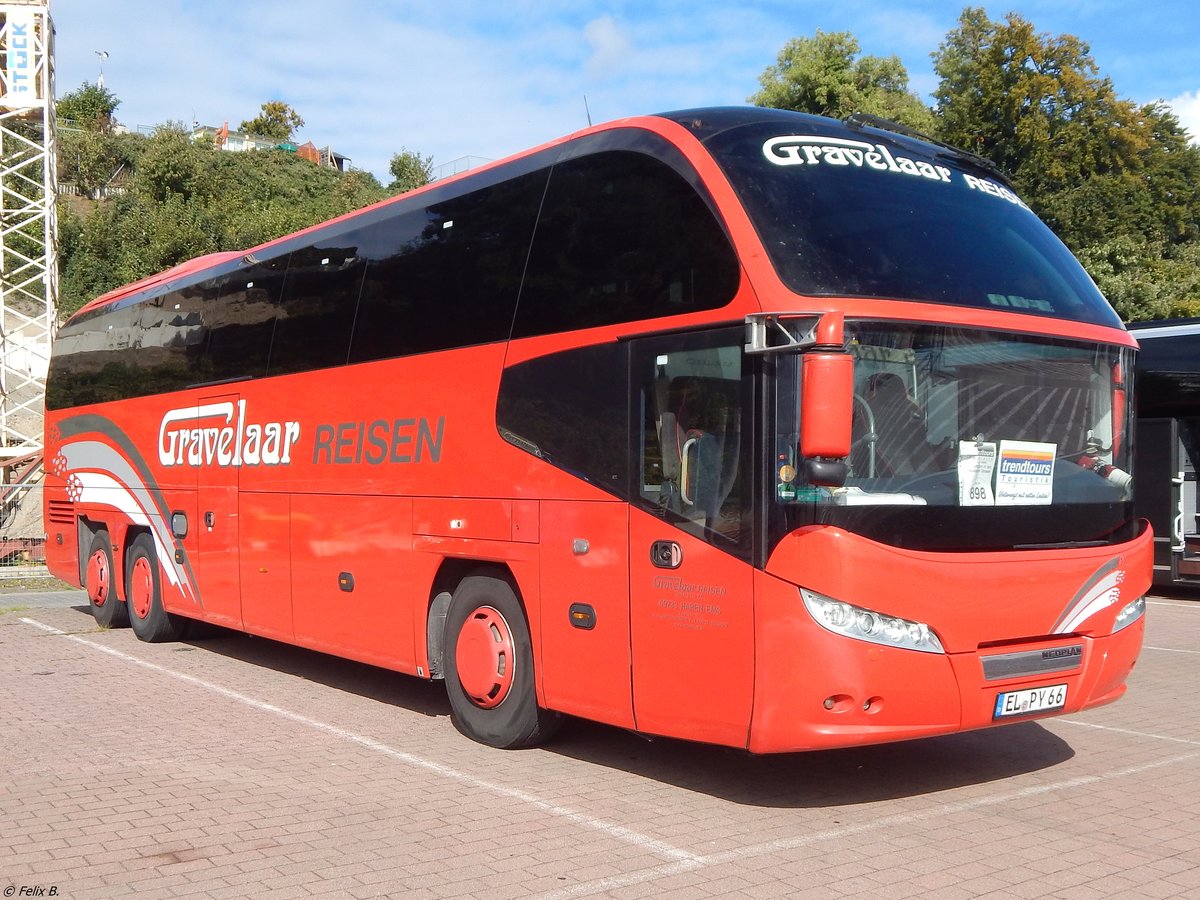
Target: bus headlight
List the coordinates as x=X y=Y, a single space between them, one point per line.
x=1130 y=614
x=867 y=625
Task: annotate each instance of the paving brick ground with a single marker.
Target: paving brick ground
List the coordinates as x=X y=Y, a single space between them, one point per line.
x=235 y=767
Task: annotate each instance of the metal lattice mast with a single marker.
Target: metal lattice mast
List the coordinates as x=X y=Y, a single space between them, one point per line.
x=28 y=223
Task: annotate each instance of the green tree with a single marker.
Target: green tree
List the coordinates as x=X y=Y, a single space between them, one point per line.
x=1114 y=180
x=827 y=76
x=1033 y=103
x=275 y=120
x=92 y=160
x=185 y=199
x=409 y=171
x=1146 y=279
x=171 y=163
x=88 y=106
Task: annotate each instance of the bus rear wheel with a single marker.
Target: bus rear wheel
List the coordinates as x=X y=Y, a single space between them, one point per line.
x=489 y=667
x=98 y=580
x=143 y=587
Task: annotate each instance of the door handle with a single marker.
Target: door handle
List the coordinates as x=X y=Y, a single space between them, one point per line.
x=666 y=554
x=210 y=519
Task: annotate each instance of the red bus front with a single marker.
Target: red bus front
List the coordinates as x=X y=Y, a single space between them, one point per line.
x=977 y=561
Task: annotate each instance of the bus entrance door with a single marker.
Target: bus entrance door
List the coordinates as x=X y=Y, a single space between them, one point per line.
x=1158 y=485
x=690 y=584
x=217 y=528
x=691 y=611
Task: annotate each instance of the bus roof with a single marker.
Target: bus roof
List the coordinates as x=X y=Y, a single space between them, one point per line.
x=187 y=267
x=703 y=123
x=1164 y=328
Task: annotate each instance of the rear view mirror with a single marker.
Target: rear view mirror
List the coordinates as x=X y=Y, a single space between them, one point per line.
x=826 y=405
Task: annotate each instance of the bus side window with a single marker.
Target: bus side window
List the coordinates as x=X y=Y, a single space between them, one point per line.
x=692 y=456
x=316 y=313
x=241 y=323
x=445 y=275
x=571 y=409
x=172 y=337
x=622 y=237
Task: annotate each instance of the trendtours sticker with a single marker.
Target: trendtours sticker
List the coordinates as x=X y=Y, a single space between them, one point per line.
x=1025 y=475
x=1011 y=473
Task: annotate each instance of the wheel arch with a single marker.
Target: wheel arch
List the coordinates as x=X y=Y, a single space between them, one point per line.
x=120 y=535
x=449 y=576
x=85 y=532
x=128 y=535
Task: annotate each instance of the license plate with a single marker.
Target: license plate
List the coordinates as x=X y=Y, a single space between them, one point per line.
x=1030 y=700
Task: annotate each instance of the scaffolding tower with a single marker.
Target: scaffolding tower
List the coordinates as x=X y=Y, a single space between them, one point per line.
x=28 y=255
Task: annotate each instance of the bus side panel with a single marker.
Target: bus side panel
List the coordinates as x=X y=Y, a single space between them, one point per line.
x=217 y=569
x=266 y=564
x=352 y=575
x=585 y=666
x=65 y=537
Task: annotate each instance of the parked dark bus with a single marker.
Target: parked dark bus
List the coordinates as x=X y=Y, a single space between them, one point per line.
x=1168 y=445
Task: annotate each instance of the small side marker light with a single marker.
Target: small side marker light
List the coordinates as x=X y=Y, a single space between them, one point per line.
x=583 y=616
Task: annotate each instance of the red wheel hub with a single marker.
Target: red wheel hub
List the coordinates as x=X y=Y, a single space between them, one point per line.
x=99 y=578
x=141 y=587
x=484 y=657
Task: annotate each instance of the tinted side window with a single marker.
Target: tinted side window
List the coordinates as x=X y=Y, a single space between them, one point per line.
x=172 y=336
x=447 y=275
x=133 y=350
x=317 y=310
x=96 y=359
x=622 y=236
x=241 y=322
x=1168 y=375
x=571 y=409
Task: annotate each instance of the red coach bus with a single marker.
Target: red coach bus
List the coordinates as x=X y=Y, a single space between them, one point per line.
x=734 y=425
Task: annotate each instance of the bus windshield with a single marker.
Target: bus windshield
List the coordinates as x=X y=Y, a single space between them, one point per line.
x=966 y=439
x=866 y=214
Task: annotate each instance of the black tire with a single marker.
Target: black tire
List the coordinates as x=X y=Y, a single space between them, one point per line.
x=100 y=582
x=489 y=667
x=143 y=590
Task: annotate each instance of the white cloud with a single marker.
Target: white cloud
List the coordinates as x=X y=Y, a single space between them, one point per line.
x=472 y=77
x=610 y=46
x=1187 y=107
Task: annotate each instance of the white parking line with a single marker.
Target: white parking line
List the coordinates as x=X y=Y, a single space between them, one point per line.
x=612 y=883
x=678 y=860
x=1171 y=650
x=611 y=829
x=1130 y=731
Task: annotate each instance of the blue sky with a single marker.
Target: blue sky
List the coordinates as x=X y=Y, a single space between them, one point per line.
x=486 y=78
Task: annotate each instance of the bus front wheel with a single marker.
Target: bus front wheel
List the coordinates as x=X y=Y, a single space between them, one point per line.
x=489 y=667
x=143 y=588
x=101 y=585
